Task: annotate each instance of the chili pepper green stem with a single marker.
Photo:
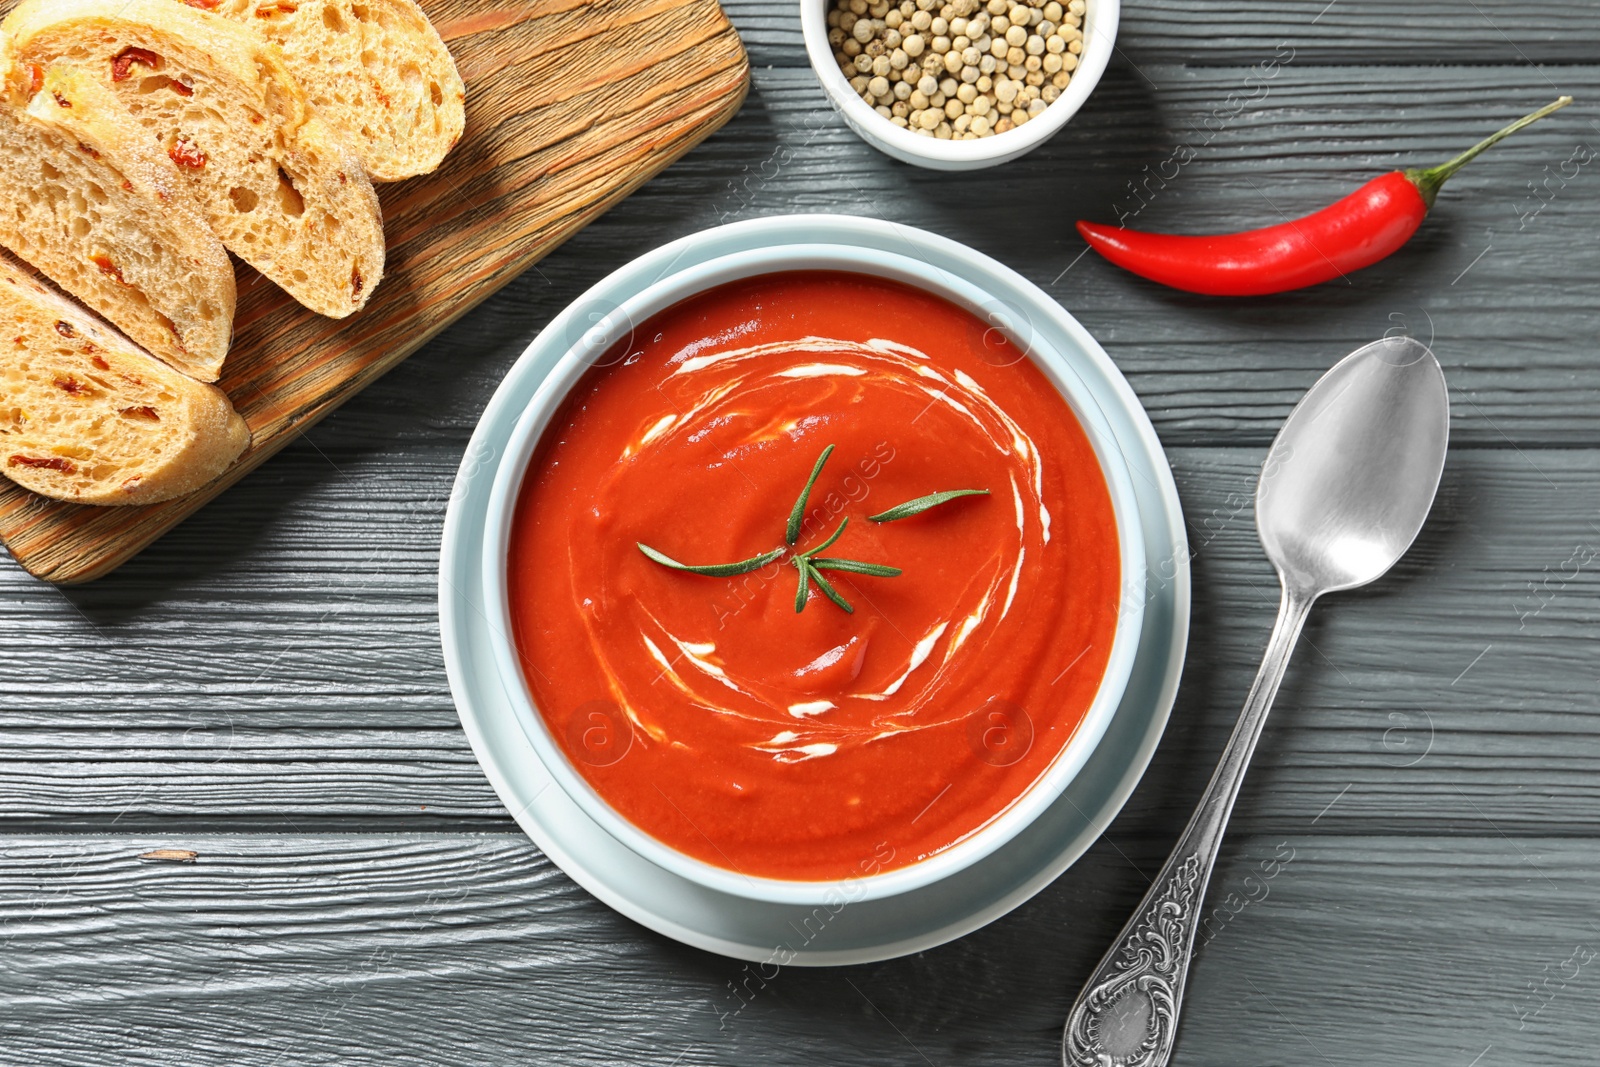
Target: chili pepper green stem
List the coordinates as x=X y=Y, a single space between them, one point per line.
x=1428 y=181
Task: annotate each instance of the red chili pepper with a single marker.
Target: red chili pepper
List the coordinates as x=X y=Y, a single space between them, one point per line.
x=1345 y=236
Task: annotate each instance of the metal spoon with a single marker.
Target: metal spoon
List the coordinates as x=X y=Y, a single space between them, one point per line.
x=1342 y=494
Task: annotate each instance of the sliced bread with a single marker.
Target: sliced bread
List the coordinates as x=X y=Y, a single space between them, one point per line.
x=376 y=70
x=89 y=202
x=87 y=416
x=280 y=188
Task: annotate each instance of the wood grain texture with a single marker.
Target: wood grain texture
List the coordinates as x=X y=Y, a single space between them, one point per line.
x=461 y=949
x=1406 y=33
x=264 y=685
x=570 y=106
x=1507 y=305
x=321 y=697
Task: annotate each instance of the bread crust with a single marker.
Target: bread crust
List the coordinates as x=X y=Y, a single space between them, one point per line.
x=87 y=416
x=376 y=70
x=279 y=187
x=90 y=203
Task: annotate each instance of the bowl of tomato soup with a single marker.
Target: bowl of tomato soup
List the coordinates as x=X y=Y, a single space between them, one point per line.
x=806 y=567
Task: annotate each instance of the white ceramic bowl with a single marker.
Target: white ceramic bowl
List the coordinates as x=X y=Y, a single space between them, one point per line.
x=1099 y=41
x=599 y=328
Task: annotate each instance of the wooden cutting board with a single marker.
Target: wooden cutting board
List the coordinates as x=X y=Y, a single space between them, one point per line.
x=571 y=105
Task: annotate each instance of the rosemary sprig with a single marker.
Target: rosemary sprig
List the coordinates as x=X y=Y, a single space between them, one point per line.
x=803 y=587
x=810 y=564
x=797 y=514
x=854 y=566
x=713 y=570
x=808 y=553
x=923 y=503
x=827 y=588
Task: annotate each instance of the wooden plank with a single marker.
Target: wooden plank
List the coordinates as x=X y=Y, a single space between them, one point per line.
x=569 y=108
x=1511 y=324
x=462 y=949
x=274 y=662
x=279 y=659
x=1357 y=32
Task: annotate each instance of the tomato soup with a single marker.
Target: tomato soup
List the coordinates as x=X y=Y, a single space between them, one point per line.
x=817 y=743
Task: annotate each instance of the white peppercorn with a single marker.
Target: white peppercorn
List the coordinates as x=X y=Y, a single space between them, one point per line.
x=960 y=69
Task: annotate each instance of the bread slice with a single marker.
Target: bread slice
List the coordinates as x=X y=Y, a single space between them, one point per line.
x=376 y=70
x=86 y=200
x=279 y=187
x=87 y=416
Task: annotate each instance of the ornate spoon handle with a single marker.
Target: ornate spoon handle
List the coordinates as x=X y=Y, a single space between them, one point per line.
x=1127 y=1014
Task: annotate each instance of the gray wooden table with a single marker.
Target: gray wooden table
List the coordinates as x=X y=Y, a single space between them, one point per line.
x=265 y=686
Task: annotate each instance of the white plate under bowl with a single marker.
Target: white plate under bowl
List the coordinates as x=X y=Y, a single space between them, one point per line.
x=686 y=282
x=850 y=930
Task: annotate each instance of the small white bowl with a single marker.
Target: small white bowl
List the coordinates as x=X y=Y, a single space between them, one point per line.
x=599 y=330
x=1099 y=37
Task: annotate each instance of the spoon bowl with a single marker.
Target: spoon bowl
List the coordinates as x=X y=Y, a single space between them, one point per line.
x=1352 y=474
